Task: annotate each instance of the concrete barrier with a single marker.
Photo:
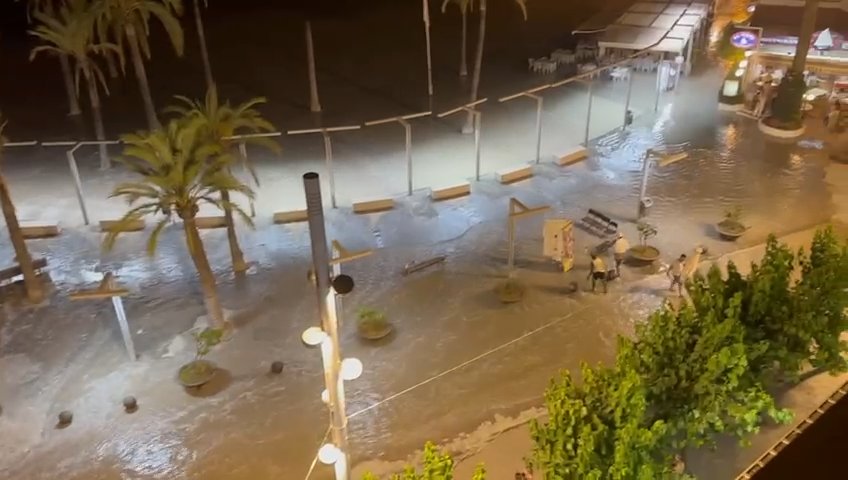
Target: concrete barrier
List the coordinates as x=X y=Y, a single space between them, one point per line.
x=205 y=223
x=576 y=154
x=33 y=230
x=372 y=206
x=448 y=192
x=514 y=174
x=291 y=216
x=115 y=226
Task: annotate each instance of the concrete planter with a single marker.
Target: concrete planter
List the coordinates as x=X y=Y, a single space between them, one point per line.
x=730 y=107
x=196 y=373
x=781 y=133
x=645 y=253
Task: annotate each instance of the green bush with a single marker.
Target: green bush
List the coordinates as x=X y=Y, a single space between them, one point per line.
x=436 y=465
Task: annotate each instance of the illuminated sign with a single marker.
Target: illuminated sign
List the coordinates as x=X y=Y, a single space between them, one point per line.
x=744 y=39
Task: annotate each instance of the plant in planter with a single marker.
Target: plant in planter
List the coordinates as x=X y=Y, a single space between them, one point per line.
x=643 y=251
x=786 y=108
x=372 y=324
x=511 y=291
x=731 y=227
x=199 y=371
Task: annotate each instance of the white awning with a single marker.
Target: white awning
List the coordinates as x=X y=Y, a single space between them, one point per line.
x=669 y=22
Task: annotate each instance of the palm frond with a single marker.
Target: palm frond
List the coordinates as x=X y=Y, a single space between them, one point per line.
x=153 y=239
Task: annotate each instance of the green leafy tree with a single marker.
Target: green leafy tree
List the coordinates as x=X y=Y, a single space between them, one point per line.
x=34 y=290
x=69 y=30
x=127 y=22
x=178 y=172
x=599 y=430
x=218 y=123
x=436 y=465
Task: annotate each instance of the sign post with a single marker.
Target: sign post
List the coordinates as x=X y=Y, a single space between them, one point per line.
x=108 y=289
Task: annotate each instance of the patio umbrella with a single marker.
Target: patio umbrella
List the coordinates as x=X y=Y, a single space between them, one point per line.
x=824 y=40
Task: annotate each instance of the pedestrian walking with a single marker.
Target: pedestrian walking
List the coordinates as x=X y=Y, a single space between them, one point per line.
x=676 y=274
x=620 y=249
x=598 y=272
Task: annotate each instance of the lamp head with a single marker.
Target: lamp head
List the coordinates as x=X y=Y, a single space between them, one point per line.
x=343 y=284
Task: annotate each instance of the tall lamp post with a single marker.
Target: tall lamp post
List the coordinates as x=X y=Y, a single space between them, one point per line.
x=408 y=130
x=336 y=370
x=328 y=152
x=539 y=103
x=476 y=115
x=663 y=156
x=429 y=54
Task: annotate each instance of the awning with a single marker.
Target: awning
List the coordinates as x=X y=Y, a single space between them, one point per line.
x=669 y=24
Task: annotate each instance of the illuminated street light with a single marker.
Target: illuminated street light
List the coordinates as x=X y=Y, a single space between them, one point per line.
x=329 y=454
x=351 y=369
x=313 y=336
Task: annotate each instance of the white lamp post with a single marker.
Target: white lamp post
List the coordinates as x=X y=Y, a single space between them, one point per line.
x=328 y=152
x=663 y=156
x=408 y=130
x=429 y=55
x=539 y=103
x=470 y=108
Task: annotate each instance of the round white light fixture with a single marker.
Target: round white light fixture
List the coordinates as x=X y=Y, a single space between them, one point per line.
x=748 y=53
x=740 y=72
x=329 y=454
x=743 y=64
x=325 y=396
x=313 y=336
x=351 y=368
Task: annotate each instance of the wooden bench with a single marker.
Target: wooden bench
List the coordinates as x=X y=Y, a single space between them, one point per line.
x=8 y=275
x=372 y=206
x=116 y=226
x=514 y=174
x=291 y=216
x=32 y=230
x=598 y=223
x=450 y=191
x=573 y=156
x=205 y=223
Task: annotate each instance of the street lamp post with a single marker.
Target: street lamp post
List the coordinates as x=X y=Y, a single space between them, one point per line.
x=408 y=131
x=539 y=104
x=588 y=114
x=470 y=108
x=429 y=54
x=664 y=156
x=518 y=210
x=328 y=152
x=627 y=118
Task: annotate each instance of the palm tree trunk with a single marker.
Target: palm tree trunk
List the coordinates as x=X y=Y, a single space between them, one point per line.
x=99 y=131
x=110 y=63
x=70 y=89
x=141 y=77
x=32 y=284
x=204 y=50
x=207 y=278
x=478 y=65
x=239 y=265
x=463 y=61
x=314 y=103
x=805 y=37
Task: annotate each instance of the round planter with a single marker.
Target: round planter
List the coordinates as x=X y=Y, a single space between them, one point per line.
x=730 y=107
x=730 y=230
x=645 y=253
x=375 y=334
x=510 y=291
x=781 y=133
x=196 y=373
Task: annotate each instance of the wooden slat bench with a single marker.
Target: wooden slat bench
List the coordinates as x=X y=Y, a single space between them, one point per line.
x=373 y=206
x=115 y=225
x=514 y=174
x=448 y=192
x=598 y=223
x=33 y=230
x=291 y=216
x=573 y=156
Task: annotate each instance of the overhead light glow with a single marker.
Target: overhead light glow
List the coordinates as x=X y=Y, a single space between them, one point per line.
x=329 y=454
x=351 y=368
x=313 y=336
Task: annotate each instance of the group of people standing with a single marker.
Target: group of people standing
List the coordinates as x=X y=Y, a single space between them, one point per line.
x=599 y=273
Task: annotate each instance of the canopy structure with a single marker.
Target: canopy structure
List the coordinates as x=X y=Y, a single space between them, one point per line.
x=668 y=25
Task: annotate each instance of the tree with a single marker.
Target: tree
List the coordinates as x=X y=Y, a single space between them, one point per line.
x=128 y=22
x=436 y=465
x=204 y=49
x=464 y=6
x=314 y=103
x=32 y=284
x=67 y=76
x=69 y=30
x=787 y=104
x=178 y=172
x=217 y=124
x=599 y=430
x=478 y=56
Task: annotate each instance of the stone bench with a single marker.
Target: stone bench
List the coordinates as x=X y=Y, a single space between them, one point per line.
x=205 y=223
x=33 y=230
x=514 y=174
x=577 y=154
x=291 y=216
x=115 y=226
x=448 y=192
x=372 y=206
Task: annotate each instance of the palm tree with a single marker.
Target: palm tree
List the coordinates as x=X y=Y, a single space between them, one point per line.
x=64 y=63
x=478 y=57
x=204 y=50
x=218 y=123
x=786 y=107
x=69 y=31
x=178 y=172
x=314 y=103
x=464 y=6
x=32 y=284
x=128 y=21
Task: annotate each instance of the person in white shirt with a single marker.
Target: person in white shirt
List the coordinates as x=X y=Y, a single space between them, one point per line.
x=619 y=249
x=598 y=272
x=676 y=274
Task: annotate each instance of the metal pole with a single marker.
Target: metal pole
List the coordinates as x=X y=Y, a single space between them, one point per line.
x=646 y=163
x=429 y=55
x=510 y=262
x=477 y=120
x=328 y=155
x=539 y=101
x=329 y=321
x=408 y=131
x=337 y=270
x=588 y=116
x=243 y=153
x=659 y=84
x=72 y=162
x=118 y=303
x=627 y=102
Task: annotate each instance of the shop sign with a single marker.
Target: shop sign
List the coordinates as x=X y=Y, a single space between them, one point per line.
x=744 y=39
